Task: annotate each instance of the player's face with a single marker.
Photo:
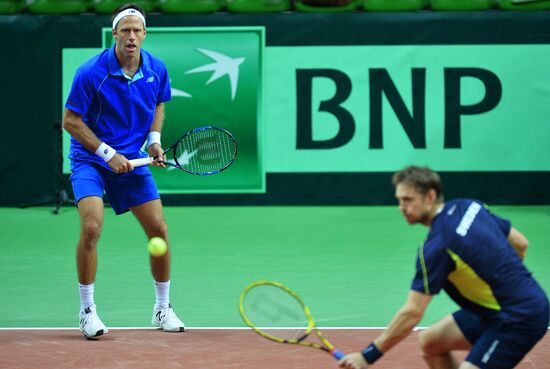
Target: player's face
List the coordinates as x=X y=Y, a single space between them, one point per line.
x=416 y=207
x=129 y=35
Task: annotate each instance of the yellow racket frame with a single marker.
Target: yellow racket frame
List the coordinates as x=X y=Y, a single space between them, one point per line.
x=328 y=347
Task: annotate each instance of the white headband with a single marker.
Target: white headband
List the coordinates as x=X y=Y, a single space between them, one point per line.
x=126 y=13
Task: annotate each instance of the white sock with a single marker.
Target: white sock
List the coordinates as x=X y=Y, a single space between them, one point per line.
x=162 y=291
x=86 y=295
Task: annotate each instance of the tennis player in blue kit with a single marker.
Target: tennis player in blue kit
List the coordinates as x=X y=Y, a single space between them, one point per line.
x=476 y=258
x=115 y=105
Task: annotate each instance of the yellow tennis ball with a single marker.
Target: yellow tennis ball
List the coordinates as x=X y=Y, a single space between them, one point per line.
x=157 y=246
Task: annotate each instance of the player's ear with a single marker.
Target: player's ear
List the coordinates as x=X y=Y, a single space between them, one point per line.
x=432 y=196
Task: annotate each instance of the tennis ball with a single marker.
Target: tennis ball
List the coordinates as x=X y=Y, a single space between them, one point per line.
x=157 y=246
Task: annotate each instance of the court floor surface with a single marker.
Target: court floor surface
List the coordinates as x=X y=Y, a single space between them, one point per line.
x=352 y=266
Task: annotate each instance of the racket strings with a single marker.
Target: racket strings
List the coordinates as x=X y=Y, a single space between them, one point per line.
x=205 y=151
x=276 y=313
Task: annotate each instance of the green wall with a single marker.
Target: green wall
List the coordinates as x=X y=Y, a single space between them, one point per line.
x=411 y=56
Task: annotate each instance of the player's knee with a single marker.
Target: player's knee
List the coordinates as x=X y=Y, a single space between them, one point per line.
x=429 y=344
x=161 y=230
x=90 y=233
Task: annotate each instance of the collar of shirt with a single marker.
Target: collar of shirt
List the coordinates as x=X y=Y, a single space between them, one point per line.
x=116 y=70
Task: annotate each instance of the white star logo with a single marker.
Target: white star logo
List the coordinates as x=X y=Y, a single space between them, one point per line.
x=223 y=65
x=178 y=93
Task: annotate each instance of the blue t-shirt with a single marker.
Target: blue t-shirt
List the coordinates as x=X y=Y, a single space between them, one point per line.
x=468 y=255
x=119 y=110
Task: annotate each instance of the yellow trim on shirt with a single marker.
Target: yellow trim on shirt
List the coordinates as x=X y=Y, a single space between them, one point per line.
x=424 y=270
x=470 y=285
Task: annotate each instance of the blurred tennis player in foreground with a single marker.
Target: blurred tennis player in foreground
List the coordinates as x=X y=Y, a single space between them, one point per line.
x=476 y=257
x=116 y=103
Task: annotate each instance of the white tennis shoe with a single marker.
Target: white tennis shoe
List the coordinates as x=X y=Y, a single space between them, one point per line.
x=90 y=324
x=167 y=319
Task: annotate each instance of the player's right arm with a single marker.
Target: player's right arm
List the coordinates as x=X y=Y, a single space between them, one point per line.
x=518 y=241
x=404 y=321
x=75 y=126
x=398 y=329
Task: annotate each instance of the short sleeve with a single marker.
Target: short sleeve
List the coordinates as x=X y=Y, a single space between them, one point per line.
x=433 y=265
x=81 y=93
x=503 y=224
x=164 y=93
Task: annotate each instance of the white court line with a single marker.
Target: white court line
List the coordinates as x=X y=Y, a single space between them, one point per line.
x=190 y=328
x=197 y=328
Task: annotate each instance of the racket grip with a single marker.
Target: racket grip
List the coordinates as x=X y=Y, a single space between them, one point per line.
x=141 y=162
x=337 y=354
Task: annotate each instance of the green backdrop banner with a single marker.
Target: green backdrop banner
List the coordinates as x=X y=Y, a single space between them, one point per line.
x=349 y=98
x=378 y=108
x=353 y=108
x=216 y=79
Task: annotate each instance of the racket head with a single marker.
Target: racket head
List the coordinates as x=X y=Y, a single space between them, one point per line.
x=205 y=151
x=275 y=312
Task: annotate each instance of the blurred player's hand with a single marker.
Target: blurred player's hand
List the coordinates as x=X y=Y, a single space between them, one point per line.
x=355 y=360
x=155 y=150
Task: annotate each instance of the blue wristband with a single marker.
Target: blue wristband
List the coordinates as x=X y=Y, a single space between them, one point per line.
x=371 y=353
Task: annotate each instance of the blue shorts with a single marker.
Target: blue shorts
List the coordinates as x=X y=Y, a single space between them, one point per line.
x=497 y=345
x=123 y=190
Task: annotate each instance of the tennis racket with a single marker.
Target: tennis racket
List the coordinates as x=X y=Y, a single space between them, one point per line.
x=277 y=313
x=202 y=151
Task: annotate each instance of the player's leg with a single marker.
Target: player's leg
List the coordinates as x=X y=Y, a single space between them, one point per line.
x=137 y=191
x=151 y=217
x=467 y=365
x=90 y=210
x=437 y=342
x=88 y=189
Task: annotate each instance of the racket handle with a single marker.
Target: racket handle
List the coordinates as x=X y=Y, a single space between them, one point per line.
x=337 y=354
x=141 y=162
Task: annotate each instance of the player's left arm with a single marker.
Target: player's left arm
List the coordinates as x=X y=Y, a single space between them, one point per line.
x=155 y=150
x=399 y=328
x=518 y=241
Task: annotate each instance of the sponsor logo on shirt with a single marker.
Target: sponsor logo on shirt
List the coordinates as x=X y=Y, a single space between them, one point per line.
x=468 y=219
x=489 y=352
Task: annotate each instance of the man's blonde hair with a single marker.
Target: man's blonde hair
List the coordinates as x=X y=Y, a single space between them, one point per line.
x=422 y=179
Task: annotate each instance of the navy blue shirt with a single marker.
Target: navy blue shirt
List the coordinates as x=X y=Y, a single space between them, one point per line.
x=118 y=109
x=468 y=255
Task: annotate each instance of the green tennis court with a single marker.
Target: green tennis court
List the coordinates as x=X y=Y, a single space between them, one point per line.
x=352 y=265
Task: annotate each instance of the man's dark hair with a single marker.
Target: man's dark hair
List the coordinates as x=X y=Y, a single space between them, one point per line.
x=127 y=6
x=422 y=179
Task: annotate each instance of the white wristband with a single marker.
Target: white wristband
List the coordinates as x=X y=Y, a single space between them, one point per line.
x=105 y=152
x=153 y=138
